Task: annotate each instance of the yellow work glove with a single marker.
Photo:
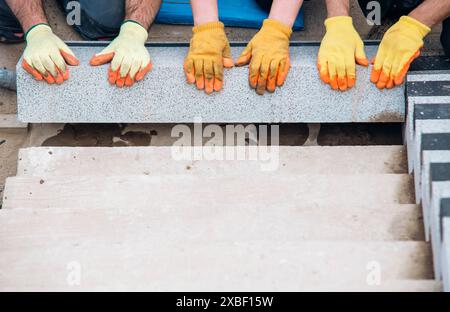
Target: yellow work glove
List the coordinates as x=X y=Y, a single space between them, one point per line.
x=46 y=55
x=130 y=60
x=209 y=53
x=340 y=49
x=268 y=55
x=400 y=46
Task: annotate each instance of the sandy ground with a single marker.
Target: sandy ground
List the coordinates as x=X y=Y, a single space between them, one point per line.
x=132 y=135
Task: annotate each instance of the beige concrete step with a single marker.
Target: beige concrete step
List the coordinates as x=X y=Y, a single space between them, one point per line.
x=10 y=123
x=152 y=263
x=206 y=192
x=219 y=222
x=74 y=161
x=293 y=285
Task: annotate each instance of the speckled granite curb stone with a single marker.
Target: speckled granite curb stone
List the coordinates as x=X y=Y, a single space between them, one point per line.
x=165 y=97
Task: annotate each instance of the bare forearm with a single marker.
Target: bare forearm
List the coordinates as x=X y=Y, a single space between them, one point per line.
x=142 y=11
x=338 y=8
x=204 y=11
x=431 y=12
x=28 y=12
x=285 y=11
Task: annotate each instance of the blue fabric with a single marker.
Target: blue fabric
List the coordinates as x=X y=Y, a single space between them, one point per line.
x=234 y=13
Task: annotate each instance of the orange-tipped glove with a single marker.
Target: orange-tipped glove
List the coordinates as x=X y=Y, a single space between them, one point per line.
x=268 y=55
x=340 y=49
x=46 y=55
x=130 y=60
x=209 y=53
x=400 y=46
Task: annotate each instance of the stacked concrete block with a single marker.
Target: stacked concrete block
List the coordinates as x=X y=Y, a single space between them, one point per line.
x=446 y=252
x=428 y=158
x=428 y=143
x=164 y=96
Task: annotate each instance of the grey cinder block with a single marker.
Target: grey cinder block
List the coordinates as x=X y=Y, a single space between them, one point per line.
x=439 y=190
x=429 y=157
x=164 y=96
x=446 y=254
x=424 y=87
x=423 y=130
x=412 y=102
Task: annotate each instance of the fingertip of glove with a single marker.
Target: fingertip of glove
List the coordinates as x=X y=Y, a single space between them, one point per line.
x=228 y=62
x=243 y=60
x=351 y=82
x=37 y=75
x=218 y=85
x=129 y=81
x=325 y=78
x=190 y=78
x=375 y=75
x=101 y=59
x=362 y=61
x=49 y=78
x=69 y=58
x=209 y=86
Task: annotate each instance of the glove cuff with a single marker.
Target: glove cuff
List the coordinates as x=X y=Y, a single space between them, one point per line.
x=212 y=26
x=37 y=29
x=274 y=24
x=338 y=20
x=412 y=22
x=134 y=29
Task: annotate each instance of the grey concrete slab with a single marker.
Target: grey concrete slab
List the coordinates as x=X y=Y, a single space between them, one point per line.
x=428 y=75
x=424 y=127
x=410 y=124
x=429 y=157
x=439 y=190
x=446 y=254
x=164 y=96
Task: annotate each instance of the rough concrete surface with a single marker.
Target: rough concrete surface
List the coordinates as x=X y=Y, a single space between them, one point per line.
x=9 y=147
x=107 y=161
x=446 y=254
x=88 y=97
x=439 y=190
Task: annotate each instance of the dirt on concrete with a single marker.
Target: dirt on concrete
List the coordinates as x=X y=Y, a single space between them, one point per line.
x=161 y=134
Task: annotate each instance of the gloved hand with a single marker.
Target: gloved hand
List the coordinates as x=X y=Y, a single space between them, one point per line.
x=268 y=55
x=130 y=60
x=400 y=46
x=46 y=55
x=340 y=49
x=209 y=53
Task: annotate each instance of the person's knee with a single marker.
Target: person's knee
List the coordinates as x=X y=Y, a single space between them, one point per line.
x=10 y=29
x=265 y=4
x=98 y=19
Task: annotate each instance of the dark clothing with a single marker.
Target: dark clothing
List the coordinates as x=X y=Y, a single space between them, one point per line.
x=265 y=4
x=10 y=29
x=397 y=8
x=98 y=19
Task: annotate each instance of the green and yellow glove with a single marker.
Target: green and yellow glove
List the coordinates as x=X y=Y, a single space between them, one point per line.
x=268 y=55
x=209 y=53
x=340 y=49
x=400 y=46
x=130 y=60
x=46 y=56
